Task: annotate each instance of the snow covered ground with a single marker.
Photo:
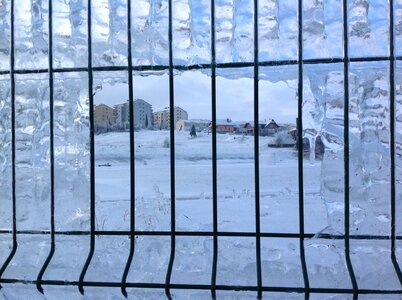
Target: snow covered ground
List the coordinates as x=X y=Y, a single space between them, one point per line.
x=193 y=257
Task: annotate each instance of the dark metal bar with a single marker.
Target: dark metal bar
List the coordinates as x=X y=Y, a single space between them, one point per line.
x=145 y=68
x=92 y=154
x=51 y=150
x=257 y=155
x=346 y=149
x=300 y=148
x=206 y=287
x=13 y=142
x=214 y=155
x=132 y=161
x=206 y=233
x=392 y=136
x=172 y=156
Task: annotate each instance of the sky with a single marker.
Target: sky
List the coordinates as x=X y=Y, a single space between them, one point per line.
x=193 y=93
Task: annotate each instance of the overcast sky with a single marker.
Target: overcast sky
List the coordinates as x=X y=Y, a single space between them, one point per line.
x=193 y=93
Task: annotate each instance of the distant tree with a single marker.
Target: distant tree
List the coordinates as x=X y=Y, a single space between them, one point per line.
x=193 y=133
x=146 y=121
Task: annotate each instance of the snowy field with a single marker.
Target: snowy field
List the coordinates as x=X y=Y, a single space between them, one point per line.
x=279 y=198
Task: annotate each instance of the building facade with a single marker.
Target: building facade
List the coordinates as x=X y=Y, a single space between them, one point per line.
x=122 y=115
x=223 y=126
x=161 y=119
x=142 y=114
x=104 y=118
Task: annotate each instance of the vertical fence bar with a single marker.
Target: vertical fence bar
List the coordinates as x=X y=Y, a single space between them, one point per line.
x=172 y=159
x=346 y=148
x=257 y=155
x=214 y=155
x=392 y=136
x=132 y=161
x=51 y=150
x=300 y=148
x=13 y=141
x=92 y=154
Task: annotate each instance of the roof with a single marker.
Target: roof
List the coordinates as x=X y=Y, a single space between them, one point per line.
x=223 y=122
x=203 y=121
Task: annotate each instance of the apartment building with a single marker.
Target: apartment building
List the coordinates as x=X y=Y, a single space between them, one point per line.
x=142 y=114
x=161 y=119
x=104 y=117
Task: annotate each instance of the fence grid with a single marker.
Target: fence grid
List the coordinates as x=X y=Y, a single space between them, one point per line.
x=259 y=288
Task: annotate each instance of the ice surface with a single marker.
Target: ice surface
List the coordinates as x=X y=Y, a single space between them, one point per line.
x=368 y=28
x=71 y=142
x=323 y=117
x=370 y=149
x=5 y=154
x=326 y=263
x=322 y=28
x=278 y=20
x=109 y=27
x=4 y=34
x=32 y=152
x=398 y=147
x=369 y=142
x=28 y=260
x=70 y=37
x=31 y=34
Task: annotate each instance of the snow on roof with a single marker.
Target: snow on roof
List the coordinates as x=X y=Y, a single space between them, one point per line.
x=203 y=121
x=222 y=122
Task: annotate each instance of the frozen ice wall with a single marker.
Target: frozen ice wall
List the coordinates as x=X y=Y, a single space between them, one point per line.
x=323 y=102
x=278 y=31
x=369 y=137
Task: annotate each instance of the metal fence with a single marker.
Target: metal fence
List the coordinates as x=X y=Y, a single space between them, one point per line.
x=259 y=288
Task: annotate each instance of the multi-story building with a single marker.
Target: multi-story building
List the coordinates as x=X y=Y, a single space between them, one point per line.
x=104 y=118
x=122 y=115
x=142 y=114
x=161 y=119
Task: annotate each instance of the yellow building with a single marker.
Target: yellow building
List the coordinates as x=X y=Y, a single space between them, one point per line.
x=104 y=117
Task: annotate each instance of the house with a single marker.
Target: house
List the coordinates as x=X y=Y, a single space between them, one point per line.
x=223 y=126
x=270 y=129
x=244 y=128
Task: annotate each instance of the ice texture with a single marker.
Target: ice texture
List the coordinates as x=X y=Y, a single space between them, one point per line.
x=368 y=28
x=32 y=152
x=326 y=263
x=358 y=18
x=322 y=28
x=370 y=150
x=369 y=128
x=70 y=36
x=4 y=34
x=5 y=154
x=398 y=146
x=323 y=118
x=278 y=21
x=5 y=165
x=31 y=34
x=109 y=32
x=277 y=30
x=28 y=260
x=71 y=146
